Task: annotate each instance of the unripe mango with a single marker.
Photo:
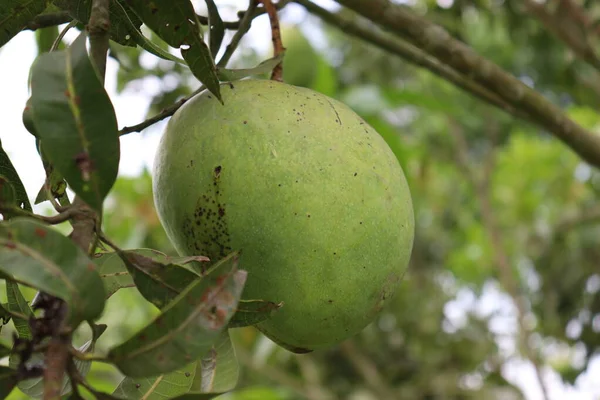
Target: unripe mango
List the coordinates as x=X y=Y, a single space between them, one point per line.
x=309 y=193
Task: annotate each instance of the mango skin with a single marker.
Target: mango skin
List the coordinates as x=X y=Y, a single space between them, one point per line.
x=312 y=196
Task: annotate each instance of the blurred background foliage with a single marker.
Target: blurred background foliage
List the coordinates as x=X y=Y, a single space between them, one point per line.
x=505 y=266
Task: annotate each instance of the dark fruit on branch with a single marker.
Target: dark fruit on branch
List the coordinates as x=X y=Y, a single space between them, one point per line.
x=309 y=193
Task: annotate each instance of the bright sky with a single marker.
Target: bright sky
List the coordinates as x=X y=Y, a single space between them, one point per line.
x=15 y=60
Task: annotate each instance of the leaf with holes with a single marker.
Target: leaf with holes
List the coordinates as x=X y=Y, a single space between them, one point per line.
x=177 y=24
x=216 y=27
x=217 y=372
x=43 y=258
x=17 y=305
x=251 y=312
x=165 y=386
x=15 y=14
x=121 y=18
x=76 y=121
x=237 y=74
x=187 y=327
x=8 y=170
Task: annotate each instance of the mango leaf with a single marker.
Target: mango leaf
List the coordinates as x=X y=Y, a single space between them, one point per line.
x=45 y=38
x=8 y=170
x=43 y=258
x=76 y=121
x=187 y=327
x=5 y=315
x=8 y=197
x=163 y=386
x=8 y=380
x=154 y=265
x=121 y=18
x=251 y=312
x=216 y=27
x=54 y=185
x=218 y=371
x=237 y=74
x=177 y=24
x=157 y=281
x=5 y=349
x=18 y=305
x=143 y=41
x=113 y=272
x=15 y=14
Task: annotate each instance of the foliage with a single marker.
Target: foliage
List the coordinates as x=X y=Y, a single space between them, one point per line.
x=504 y=265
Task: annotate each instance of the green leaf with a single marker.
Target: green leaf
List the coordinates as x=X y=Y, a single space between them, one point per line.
x=216 y=27
x=8 y=171
x=187 y=327
x=159 y=282
x=8 y=380
x=177 y=24
x=15 y=14
x=218 y=371
x=8 y=196
x=41 y=257
x=237 y=74
x=122 y=19
x=113 y=272
x=158 y=387
x=144 y=42
x=251 y=312
x=18 y=305
x=5 y=349
x=76 y=121
x=54 y=185
x=45 y=38
x=154 y=265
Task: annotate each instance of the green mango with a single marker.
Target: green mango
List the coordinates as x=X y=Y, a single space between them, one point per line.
x=310 y=194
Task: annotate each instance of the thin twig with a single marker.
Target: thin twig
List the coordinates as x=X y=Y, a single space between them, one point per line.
x=48 y=20
x=167 y=112
x=61 y=35
x=437 y=42
x=278 y=49
x=51 y=220
x=410 y=53
x=482 y=187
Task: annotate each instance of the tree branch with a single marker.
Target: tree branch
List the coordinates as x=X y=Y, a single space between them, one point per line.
x=411 y=54
x=167 y=112
x=277 y=74
x=436 y=41
x=98 y=27
x=47 y=20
